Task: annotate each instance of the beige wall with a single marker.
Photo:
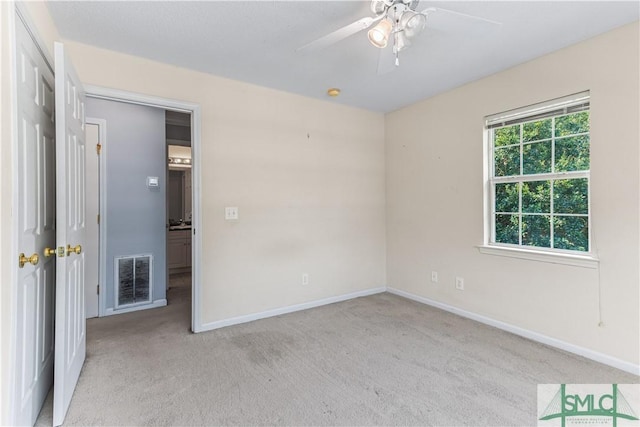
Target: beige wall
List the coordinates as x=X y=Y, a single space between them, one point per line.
x=434 y=157
x=307 y=204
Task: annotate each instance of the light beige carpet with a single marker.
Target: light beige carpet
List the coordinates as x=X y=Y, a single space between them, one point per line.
x=378 y=360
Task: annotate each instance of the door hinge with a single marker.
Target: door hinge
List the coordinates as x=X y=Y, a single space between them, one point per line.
x=98 y=289
x=98 y=148
x=98 y=218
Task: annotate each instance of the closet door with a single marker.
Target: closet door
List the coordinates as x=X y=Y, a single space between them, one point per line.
x=35 y=185
x=70 y=233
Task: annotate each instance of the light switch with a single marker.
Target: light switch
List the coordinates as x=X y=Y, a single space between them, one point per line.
x=153 y=181
x=231 y=213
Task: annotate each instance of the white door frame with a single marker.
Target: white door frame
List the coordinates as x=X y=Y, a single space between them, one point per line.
x=99 y=92
x=102 y=209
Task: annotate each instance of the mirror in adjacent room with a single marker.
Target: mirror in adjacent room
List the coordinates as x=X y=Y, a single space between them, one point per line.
x=179 y=185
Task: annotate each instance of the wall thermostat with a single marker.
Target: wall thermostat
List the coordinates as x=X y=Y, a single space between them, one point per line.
x=153 y=181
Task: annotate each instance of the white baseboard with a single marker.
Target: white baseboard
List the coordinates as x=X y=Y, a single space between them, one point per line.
x=534 y=336
x=157 y=303
x=289 y=309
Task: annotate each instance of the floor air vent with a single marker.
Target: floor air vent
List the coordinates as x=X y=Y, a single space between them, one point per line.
x=133 y=275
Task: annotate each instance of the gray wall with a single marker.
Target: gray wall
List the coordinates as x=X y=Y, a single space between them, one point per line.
x=135 y=214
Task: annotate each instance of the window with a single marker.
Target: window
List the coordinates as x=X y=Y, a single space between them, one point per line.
x=539 y=176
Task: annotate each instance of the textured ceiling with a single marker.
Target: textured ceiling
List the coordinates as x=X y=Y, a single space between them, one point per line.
x=256 y=41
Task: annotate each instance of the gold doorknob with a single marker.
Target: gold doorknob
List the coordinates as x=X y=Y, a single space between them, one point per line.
x=49 y=252
x=77 y=250
x=23 y=259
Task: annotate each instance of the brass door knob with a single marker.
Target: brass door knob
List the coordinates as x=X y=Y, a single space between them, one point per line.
x=23 y=259
x=77 y=250
x=49 y=252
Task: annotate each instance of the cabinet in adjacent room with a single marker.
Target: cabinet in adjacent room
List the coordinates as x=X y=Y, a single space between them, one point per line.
x=179 y=249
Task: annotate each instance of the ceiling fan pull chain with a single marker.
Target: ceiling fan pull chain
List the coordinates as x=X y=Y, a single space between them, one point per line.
x=396 y=48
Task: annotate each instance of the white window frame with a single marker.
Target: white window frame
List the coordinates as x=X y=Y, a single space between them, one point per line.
x=531 y=113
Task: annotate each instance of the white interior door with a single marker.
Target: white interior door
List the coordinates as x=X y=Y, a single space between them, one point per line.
x=70 y=331
x=35 y=181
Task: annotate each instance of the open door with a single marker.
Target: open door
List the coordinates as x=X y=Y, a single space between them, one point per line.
x=70 y=331
x=34 y=183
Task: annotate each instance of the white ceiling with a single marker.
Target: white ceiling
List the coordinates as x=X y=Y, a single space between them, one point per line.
x=255 y=41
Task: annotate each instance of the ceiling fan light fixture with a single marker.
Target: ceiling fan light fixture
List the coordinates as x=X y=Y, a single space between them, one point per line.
x=412 y=23
x=378 y=7
x=379 y=35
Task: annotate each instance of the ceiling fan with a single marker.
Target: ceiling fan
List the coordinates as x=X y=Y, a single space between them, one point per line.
x=398 y=23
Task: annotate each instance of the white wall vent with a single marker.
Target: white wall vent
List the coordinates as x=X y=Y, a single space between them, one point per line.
x=133 y=280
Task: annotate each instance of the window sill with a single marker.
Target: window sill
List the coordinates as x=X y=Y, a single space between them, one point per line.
x=585 y=261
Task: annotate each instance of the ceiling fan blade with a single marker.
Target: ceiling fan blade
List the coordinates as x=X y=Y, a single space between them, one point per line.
x=386 y=61
x=340 y=34
x=460 y=14
x=458 y=23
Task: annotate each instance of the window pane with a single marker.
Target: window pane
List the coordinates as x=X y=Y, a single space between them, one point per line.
x=536 y=230
x=507 y=229
x=507 y=161
x=507 y=136
x=536 y=197
x=507 y=197
x=535 y=131
x=571 y=196
x=572 y=124
x=571 y=232
x=572 y=154
x=536 y=158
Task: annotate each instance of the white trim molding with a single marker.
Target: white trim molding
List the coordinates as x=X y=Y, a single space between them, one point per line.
x=155 y=304
x=289 y=309
x=102 y=211
x=585 y=261
x=534 y=336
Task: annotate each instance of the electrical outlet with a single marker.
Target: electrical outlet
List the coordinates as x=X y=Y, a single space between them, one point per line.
x=231 y=213
x=460 y=283
x=305 y=279
x=434 y=276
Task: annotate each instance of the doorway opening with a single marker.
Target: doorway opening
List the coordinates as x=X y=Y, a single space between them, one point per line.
x=179 y=205
x=147 y=278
